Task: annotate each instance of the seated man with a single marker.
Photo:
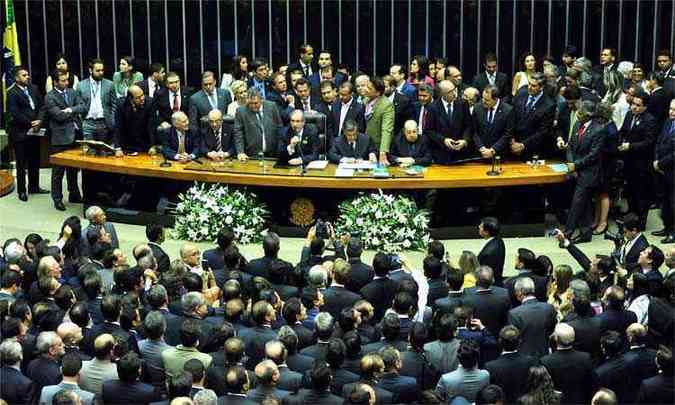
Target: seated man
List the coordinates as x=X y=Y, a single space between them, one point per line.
x=179 y=142
x=410 y=148
x=351 y=145
x=256 y=126
x=217 y=142
x=299 y=142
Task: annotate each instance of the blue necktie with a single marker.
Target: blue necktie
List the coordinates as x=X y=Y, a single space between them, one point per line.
x=30 y=99
x=530 y=103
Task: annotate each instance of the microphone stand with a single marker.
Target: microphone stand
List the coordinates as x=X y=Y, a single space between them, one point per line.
x=303 y=169
x=165 y=162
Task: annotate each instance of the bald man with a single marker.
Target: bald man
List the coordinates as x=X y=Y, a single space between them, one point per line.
x=71 y=335
x=267 y=374
x=135 y=128
x=410 y=147
x=472 y=96
x=288 y=380
x=299 y=143
x=217 y=140
x=453 y=121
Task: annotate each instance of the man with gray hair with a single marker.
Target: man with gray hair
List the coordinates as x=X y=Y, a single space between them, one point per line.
x=205 y=397
x=584 y=162
x=299 y=143
x=45 y=369
x=571 y=370
x=97 y=218
x=195 y=308
x=588 y=328
x=14 y=252
x=154 y=326
x=317 y=277
x=410 y=147
x=179 y=143
x=15 y=388
x=288 y=380
x=534 y=114
x=490 y=302
x=324 y=324
x=256 y=127
x=534 y=319
x=209 y=98
x=351 y=145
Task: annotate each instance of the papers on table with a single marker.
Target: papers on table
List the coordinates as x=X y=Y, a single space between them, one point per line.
x=559 y=167
x=317 y=165
x=342 y=172
x=358 y=165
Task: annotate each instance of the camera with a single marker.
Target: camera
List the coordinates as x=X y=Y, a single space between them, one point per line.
x=322 y=229
x=618 y=237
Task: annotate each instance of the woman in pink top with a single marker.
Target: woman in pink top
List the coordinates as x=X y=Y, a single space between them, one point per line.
x=419 y=71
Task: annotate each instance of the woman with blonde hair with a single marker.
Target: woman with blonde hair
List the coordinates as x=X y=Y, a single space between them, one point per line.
x=238 y=89
x=468 y=265
x=559 y=290
x=528 y=67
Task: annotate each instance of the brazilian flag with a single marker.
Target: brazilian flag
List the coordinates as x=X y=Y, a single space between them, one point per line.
x=10 y=49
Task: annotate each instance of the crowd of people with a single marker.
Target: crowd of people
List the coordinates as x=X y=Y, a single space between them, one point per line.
x=84 y=324
x=612 y=123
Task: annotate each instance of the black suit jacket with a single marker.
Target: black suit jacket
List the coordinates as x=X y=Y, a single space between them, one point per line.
x=361 y=275
x=135 y=128
x=659 y=101
x=509 y=371
x=170 y=144
x=641 y=139
x=355 y=112
x=416 y=365
x=491 y=306
x=449 y=303
x=16 y=388
x=43 y=372
x=401 y=148
x=493 y=255
x=664 y=151
x=299 y=362
x=532 y=128
x=659 y=389
x=254 y=340
x=338 y=298
x=496 y=135
x=380 y=292
x=572 y=373
x=405 y=389
x=341 y=148
x=307 y=149
x=618 y=321
x=163 y=260
x=173 y=326
x=18 y=107
x=119 y=392
x=438 y=288
x=289 y=380
x=163 y=106
x=331 y=127
x=442 y=127
x=382 y=396
x=402 y=110
x=502 y=83
x=309 y=396
x=113 y=329
x=616 y=375
x=316 y=351
x=586 y=153
x=632 y=256
x=209 y=140
x=145 y=86
x=540 y=287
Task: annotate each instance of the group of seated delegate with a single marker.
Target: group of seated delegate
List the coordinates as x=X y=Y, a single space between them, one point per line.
x=611 y=123
x=84 y=322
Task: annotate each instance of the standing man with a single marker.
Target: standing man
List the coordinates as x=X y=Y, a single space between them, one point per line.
x=346 y=107
x=453 y=124
x=492 y=77
x=260 y=78
x=402 y=104
x=210 y=97
x=664 y=154
x=256 y=126
x=63 y=106
x=170 y=99
x=585 y=164
x=379 y=115
x=305 y=62
x=325 y=72
x=154 y=82
x=400 y=75
x=492 y=124
x=607 y=63
x=98 y=96
x=534 y=114
x=493 y=252
x=24 y=106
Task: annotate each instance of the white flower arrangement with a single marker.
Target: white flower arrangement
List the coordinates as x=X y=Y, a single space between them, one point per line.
x=205 y=209
x=385 y=222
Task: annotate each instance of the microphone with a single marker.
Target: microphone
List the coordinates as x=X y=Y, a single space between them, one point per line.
x=165 y=162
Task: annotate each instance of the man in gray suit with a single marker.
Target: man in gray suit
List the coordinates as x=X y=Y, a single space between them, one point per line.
x=63 y=106
x=70 y=367
x=209 y=98
x=97 y=96
x=536 y=320
x=256 y=126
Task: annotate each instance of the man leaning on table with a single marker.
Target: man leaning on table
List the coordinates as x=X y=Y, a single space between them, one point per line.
x=410 y=148
x=256 y=127
x=217 y=142
x=352 y=145
x=180 y=143
x=299 y=142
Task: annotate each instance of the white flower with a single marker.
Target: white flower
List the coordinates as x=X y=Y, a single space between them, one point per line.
x=228 y=219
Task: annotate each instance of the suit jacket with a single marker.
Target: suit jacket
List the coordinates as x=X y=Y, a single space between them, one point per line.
x=145 y=86
x=633 y=254
x=310 y=396
x=509 y=371
x=664 y=150
x=405 y=389
x=540 y=286
x=16 y=388
x=164 y=106
x=382 y=396
x=200 y=106
x=113 y=329
x=533 y=127
x=48 y=393
x=247 y=130
x=493 y=254
x=572 y=373
x=209 y=140
x=315 y=81
x=341 y=148
x=641 y=363
x=456 y=126
x=299 y=362
x=618 y=321
x=587 y=153
x=496 y=135
x=616 y=375
x=587 y=333
x=266 y=84
x=659 y=389
x=289 y=380
x=442 y=355
x=63 y=125
x=536 y=321
x=502 y=83
x=163 y=260
x=18 y=107
x=641 y=139
x=107 y=98
x=380 y=292
x=329 y=133
x=151 y=351
x=174 y=324
x=170 y=144
x=491 y=306
x=307 y=149
x=659 y=101
x=661 y=321
x=416 y=365
x=261 y=392
x=316 y=351
x=337 y=298
x=355 y=112
x=94 y=372
x=260 y=266
x=254 y=341
x=361 y=275
x=448 y=304
x=175 y=358
x=235 y=400
x=380 y=124
x=120 y=392
x=135 y=128
x=402 y=109
x=43 y=371
x=401 y=148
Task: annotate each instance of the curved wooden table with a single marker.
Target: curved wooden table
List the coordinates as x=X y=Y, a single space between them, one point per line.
x=6 y=182
x=467 y=175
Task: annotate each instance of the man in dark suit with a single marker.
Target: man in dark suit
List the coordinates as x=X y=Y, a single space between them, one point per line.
x=410 y=147
x=294 y=312
x=337 y=296
x=640 y=360
x=305 y=100
x=660 y=388
x=614 y=316
x=335 y=357
x=45 y=369
x=493 y=252
x=259 y=80
x=635 y=242
x=216 y=138
x=566 y=120
x=180 y=143
x=659 y=98
x=492 y=124
x=327 y=97
x=346 y=107
x=352 y=145
x=400 y=75
x=534 y=319
x=208 y=98
x=305 y=63
x=170 y=99
x=299 y=143
x=193 y=308
x=326 y=71
x=128 y=389
x=263 y=315
x=405 y=389
x=111 y=308
x=455 y=296
x=525 y=263
x=402 y=104
x=607 y=63
x=490 y=303
x=433 y=271
x=664 y=154
x=154 y=82
x=321 y=379
x=571 y=370
x=256 y=127
x=512 y=367
x=584 y=163
x=588 y=328
x=267 y=376
x=325 y=325
x=636 y=137
x=63 y=106
x=15 y=388
x=361 y=273
x=451 y=134
x=135 y=122
x=24 y=105
x=534 y=114
x=279 y=95
x=614 y=372
x=237 y=384
x=380 y=292
x=492 y=77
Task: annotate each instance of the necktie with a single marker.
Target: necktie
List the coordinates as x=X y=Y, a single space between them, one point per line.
x=353 y=146
x=530 y=103
x=219 y=142
x=66 y=98
x=30 y=99
x=672 y=127
x=573 y=121
x=491 y=115
x=262 y=130
x=633 y=122
x=305 y=104
x=423 y=116
x=181 y=143
x=176 y=106
x=412 y=150
x=582 y=131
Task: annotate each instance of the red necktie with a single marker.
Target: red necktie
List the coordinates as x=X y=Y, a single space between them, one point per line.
x=582 y=131
x=176 y=107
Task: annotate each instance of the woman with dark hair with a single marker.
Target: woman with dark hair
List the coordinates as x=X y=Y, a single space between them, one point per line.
x=239 y=72
x=528 y=67
x=544 y=266
x=640 y=295
x=605 y=116
x=126 y=76
x=70 y=241
x=61 y=65
x=30 y=243
x=419 y=71
x=540 y=389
